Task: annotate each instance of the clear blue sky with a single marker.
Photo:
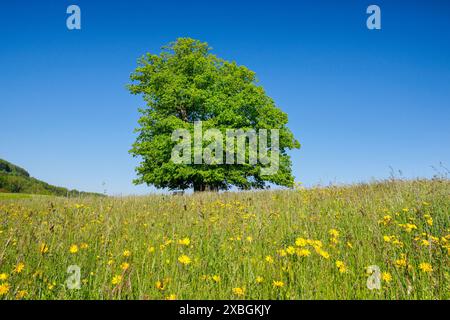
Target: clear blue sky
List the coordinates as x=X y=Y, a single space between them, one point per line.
x=359 y=101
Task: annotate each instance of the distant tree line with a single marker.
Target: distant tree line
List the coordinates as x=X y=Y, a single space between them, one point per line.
x=8 y=167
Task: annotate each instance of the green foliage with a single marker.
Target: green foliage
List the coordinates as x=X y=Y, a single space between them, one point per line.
x=14 y=179
x=186 y=83
x=8 y=167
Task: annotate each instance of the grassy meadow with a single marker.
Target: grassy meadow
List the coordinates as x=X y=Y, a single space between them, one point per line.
x=297 y=244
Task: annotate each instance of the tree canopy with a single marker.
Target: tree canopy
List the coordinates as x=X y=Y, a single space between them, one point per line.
x=186 y=83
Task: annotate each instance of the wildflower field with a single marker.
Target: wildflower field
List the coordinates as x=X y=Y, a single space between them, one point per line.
x=319 y=243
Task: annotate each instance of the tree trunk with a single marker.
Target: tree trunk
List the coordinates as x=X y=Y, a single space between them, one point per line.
x=201 y=187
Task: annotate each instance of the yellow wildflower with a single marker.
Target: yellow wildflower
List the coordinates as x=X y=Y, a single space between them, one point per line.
x=316 y=243
x=116 y=279
x=3 y=276
x=259 y=279
x=73 y=249
x=269 y=259
x=386 y=277
x=216 y=278
x=322 y=253
x=184 y=259
x=341 y=266
x=171 y=297
x=184 y=241
x=126 y=253
x=19 y=267
x=386 y=220
x=397 y=243
x=300 y=242
x=159 y=285
x=303 y=252
x=124 y=266
x=278 y=284
x=43 y=248
x=290 y=250
x=334 y=233
x=4 y=288
x=408 y=226
x=428 y=219
x=425 y=267
x=239 y=291
x=84 y=245
x=21 y=294
x=401 y=262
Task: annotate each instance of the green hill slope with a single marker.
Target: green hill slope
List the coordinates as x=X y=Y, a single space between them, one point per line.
x=15 y=179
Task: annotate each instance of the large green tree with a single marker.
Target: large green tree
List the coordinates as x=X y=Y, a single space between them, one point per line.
x=187 y=83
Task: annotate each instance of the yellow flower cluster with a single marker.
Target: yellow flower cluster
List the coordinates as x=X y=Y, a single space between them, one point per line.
x=340 y=265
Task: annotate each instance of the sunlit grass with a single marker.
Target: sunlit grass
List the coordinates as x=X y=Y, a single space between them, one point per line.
x=302 y=244
x=14 y=196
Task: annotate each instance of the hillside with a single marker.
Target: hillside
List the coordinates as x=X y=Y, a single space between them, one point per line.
x=15 y=179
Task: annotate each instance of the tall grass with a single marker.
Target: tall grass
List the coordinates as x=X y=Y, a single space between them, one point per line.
x=251 y=245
